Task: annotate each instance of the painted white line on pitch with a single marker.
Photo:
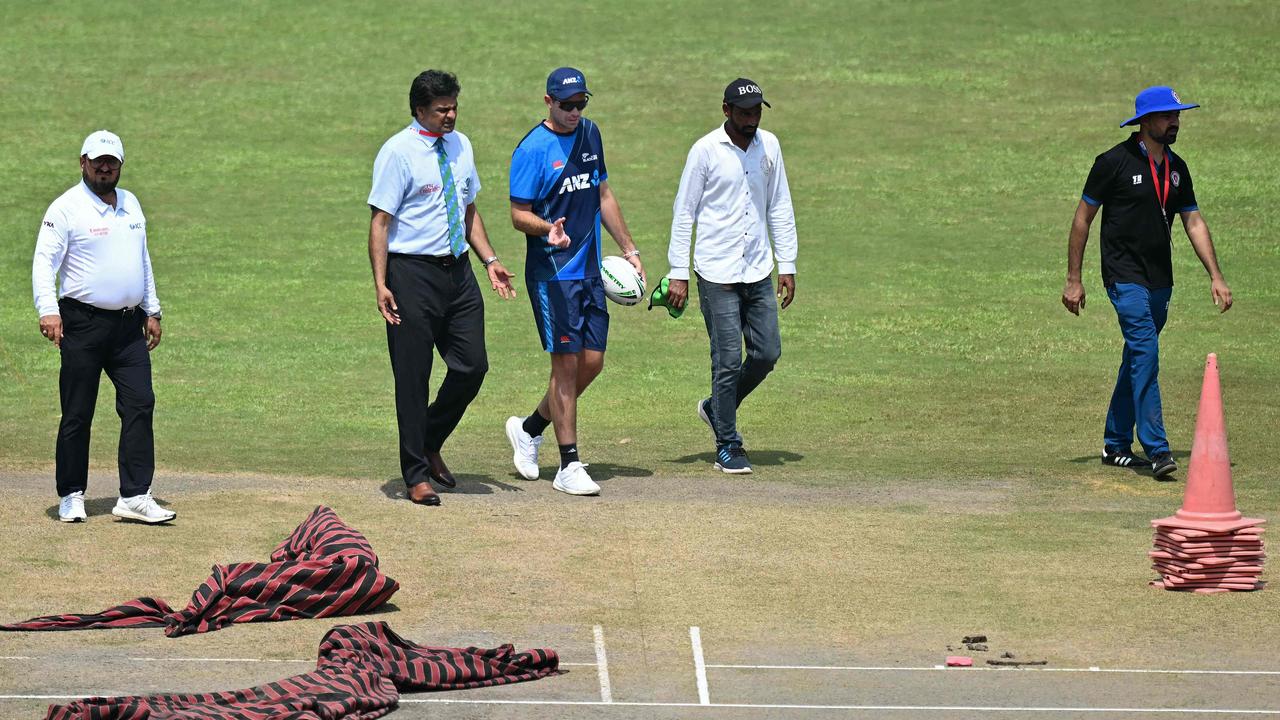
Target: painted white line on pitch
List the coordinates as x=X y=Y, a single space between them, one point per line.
x=699 y=666
x=216 y=660
x=765 y=706
x=602 y=666
x=934 y=668
x=781 y=706
x=15 y=657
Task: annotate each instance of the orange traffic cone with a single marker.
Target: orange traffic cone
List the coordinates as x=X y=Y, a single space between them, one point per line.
x=1209 y=502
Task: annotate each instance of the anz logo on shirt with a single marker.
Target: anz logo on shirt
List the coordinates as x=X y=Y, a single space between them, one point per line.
x=581 y=181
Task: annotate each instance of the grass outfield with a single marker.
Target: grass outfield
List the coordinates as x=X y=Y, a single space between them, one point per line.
x=935 y=153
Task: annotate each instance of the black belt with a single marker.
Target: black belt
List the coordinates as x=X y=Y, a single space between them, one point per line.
x=441 y=260
x=94 y=309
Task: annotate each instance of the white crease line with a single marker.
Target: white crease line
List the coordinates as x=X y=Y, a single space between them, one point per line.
x=210 y=660
x=223 y=660
x=779 y=706
x=767 y=706
x=699 y=666
x=934 y=668
x=602 y=666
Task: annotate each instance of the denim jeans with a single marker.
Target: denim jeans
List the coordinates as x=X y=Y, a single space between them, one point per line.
x=1136 y=399
x=736 y=312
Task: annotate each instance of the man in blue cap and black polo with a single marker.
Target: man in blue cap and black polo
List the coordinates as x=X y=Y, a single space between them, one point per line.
x=1140 y=184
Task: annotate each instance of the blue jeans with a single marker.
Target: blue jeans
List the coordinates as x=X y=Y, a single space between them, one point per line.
x=736 y=312
x=1136 y=399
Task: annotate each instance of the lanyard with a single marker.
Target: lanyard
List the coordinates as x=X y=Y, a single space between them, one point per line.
x=1161 y=198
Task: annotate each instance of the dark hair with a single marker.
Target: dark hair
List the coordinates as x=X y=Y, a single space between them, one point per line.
x=428 y=86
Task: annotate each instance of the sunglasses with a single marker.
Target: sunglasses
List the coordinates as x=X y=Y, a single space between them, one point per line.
x=570 y=106
x=106 y=162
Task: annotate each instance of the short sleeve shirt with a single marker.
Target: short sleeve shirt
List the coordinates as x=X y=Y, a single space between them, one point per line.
x=407 y=185
x=559 y=175
x=1136 y=235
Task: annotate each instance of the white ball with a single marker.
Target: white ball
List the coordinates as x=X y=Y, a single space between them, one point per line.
x=622 y=283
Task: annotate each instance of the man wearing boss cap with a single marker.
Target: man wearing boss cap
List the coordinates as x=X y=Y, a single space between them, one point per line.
x=1140 y=184
x=96 y=296
x=734 y=189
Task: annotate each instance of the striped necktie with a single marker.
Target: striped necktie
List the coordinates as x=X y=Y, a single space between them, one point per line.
x=457 y=241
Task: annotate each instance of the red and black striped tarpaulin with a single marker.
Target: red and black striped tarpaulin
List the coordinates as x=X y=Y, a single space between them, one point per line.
x=359 y=676
x=324 y=569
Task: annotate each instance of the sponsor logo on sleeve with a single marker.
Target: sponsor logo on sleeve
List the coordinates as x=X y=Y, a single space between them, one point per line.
x=1176 y=177
x=589 y=157
x=48 y=224
x=136 y=226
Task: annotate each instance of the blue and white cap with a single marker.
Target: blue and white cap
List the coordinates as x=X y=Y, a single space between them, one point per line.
x=103 y=142
x=1160 y=98
x=566 y=82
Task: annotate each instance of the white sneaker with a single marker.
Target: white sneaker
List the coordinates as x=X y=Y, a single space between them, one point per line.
x=71 y=508
x=143 y=509
x=575 y=480
x=525 y=446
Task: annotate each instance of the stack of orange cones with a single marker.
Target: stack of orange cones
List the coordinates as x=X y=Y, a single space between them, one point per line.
x=1208 y=546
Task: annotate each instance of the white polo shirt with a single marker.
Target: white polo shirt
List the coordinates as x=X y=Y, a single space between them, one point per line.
x=738 y=201
x=97 y=253
x=407 y=185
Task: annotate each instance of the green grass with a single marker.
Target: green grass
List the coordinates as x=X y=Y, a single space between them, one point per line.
x=935 y=150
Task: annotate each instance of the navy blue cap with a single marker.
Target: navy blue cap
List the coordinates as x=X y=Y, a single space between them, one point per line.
x=744 y=93
x=1160 y=98
x=566 y=82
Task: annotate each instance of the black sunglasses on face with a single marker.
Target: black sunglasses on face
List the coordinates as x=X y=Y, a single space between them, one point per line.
x=570 y=106
x=105 y=162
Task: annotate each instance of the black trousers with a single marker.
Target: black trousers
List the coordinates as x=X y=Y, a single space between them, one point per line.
x=95 y=340
x=441 y=309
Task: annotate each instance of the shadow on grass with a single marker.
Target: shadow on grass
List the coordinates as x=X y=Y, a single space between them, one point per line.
x=97 y=507
x=467 y=485
x=757 y=457
x=1143 y=468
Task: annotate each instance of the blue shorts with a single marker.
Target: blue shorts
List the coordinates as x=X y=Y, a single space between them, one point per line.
x=570 y=314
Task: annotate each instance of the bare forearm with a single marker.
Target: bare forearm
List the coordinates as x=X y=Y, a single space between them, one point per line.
x=477 y=238
x=524 y=220
x=1076 y=241
x=1202 y=242
x=611 y=218
x=378 y=226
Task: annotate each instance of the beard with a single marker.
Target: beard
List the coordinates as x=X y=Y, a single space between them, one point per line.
x=100 y=187
x=1169 y=137
x=745 y=130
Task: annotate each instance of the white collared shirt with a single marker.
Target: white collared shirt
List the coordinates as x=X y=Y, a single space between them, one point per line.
x=97 y=253
x=407 y=185
x=738 y=200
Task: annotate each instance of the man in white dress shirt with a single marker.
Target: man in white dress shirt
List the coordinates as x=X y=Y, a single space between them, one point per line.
x=96 y=297
x=734 y=189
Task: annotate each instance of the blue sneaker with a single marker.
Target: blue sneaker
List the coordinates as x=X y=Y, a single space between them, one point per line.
x=732 y=459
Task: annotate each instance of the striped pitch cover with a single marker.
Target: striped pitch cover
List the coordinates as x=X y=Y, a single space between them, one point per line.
x=359 y=676
x=324 y=568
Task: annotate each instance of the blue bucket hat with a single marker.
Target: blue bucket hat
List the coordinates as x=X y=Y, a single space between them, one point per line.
x=566 y=82
x=1160 y=98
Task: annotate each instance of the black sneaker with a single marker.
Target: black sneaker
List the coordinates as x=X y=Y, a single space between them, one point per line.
x=1162 y=464
x=732 y=459
x=1119 y=458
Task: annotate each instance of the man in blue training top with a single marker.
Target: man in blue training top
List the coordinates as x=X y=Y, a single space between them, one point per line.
x=559 y=199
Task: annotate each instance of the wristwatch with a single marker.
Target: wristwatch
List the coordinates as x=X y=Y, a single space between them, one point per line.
x=489 y=260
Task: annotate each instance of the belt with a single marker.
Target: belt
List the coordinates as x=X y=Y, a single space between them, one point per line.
x=441 y=260
x=94 y=309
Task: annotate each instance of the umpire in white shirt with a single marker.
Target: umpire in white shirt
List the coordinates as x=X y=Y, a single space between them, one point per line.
x=734 y=190
x=96 y=296
x=423 y=219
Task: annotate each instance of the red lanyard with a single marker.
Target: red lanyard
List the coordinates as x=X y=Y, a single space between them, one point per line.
x=1162 y=198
